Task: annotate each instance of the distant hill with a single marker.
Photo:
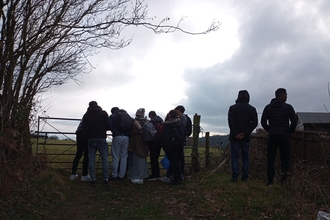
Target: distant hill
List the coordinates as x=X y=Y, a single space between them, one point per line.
x=215 y=141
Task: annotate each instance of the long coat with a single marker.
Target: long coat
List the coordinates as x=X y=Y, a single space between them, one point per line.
x=136 y=145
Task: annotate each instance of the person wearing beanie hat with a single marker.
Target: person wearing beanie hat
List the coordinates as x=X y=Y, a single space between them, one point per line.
x=140 y=113
x=242 y=120
x=138 y=150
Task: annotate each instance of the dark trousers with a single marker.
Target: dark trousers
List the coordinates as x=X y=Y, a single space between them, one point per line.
x=82 y=150
x=237 y=148
x=283 y=143
x=173 y=155
x=154 y=152
x=181 y=159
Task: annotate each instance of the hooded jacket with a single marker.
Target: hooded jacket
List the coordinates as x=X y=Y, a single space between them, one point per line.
x=242 y=117
x=276 y=116
x=96 y=122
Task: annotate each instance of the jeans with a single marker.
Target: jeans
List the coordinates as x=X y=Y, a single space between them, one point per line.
x=283 y=143
x=100 y=145
x=119 y=152
x=236 y=148
x=82 y=149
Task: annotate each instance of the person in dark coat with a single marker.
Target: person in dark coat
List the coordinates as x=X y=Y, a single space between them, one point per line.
x=155 y=146
x=275 y=120
x=242 y=120
x=96 y=124
x=82 y=150
x=173 y=144
x=180 y=109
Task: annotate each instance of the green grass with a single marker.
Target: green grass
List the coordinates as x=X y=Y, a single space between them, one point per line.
x=51 y=195
x=47 y=193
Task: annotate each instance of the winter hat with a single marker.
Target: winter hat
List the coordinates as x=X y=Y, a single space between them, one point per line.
x=140 y=112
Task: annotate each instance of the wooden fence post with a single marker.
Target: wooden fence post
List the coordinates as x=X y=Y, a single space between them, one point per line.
x=207 y=149
x=194 y=153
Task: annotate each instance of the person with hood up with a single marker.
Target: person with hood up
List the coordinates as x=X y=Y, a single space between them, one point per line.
x=242 y=120
x=138 y=150
x=275 y=120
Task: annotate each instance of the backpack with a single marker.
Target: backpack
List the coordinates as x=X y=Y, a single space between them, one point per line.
x=123 y=121
x=165 y=162
x=148 y=132
x=188 y=126
x=159 y=126
x=179 y=136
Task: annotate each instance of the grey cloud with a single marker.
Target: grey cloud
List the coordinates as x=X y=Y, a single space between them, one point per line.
x=277 y=50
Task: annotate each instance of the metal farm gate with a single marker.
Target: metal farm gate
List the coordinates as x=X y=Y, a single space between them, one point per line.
x=55 y=139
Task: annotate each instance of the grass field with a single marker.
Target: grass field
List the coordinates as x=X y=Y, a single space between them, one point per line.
x=203 y=195
x=47 y=193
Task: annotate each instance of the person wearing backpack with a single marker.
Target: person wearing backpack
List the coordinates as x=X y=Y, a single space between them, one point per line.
x=120 y=141
x=174 y=138
x=180 y=113
x=155 y=145
x=138 y=150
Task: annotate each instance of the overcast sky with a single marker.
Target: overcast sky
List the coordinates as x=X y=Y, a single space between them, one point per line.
x=260 y=46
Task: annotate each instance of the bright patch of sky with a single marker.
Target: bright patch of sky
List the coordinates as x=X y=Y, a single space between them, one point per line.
x=260 y=46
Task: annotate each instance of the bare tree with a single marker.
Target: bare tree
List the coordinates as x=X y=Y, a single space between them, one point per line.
x=46 y=43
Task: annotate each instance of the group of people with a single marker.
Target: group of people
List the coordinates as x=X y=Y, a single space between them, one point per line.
x=128 y=151
x=278 y=119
